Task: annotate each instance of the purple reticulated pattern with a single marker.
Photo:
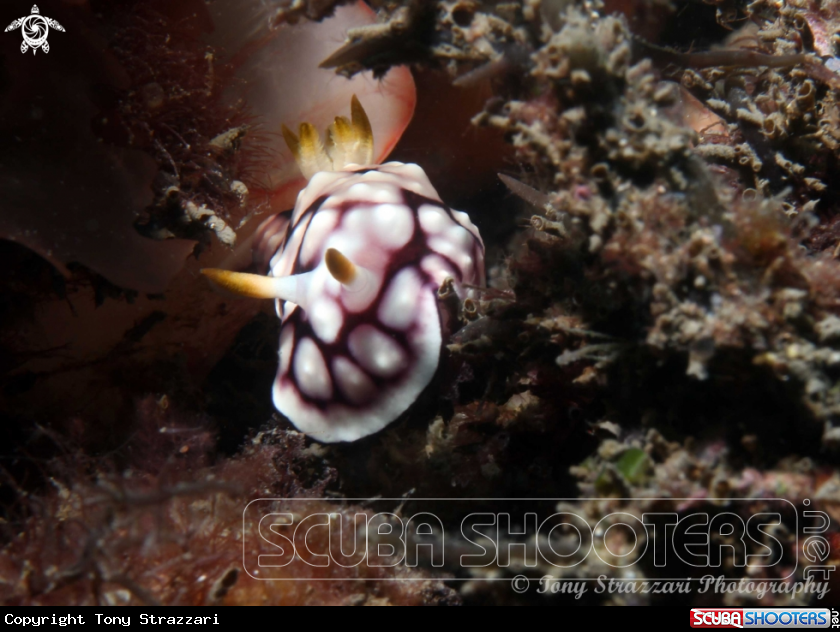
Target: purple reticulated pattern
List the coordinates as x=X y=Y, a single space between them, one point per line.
x=355 y=360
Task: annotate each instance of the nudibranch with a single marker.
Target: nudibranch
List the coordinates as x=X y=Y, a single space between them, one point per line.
x=356 y=275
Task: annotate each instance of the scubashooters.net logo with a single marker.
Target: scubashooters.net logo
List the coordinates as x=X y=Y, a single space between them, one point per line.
x=35 y=29
x=797 y=618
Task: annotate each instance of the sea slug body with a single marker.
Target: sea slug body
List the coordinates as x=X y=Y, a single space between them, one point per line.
x=356 y=279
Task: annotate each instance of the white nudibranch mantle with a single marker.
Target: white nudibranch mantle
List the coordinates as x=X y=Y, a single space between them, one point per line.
x=355 y=278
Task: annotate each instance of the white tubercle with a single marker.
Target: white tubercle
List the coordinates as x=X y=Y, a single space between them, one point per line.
x=400 y=300
x=311 y=372
x=326 y=317
x=353 y=382
x=375 y=351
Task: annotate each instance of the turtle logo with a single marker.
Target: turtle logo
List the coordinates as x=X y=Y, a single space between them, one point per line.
x=35 y=28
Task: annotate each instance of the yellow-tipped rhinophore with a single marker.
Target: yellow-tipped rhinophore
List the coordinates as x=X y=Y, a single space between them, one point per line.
x=242 y=283
x=340 y=267
x=348 y=142
x=291 y=288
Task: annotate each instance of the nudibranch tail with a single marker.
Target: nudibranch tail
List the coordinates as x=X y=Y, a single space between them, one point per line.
x=349 y=142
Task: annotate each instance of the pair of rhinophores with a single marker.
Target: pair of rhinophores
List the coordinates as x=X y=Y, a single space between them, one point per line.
x=355 y=271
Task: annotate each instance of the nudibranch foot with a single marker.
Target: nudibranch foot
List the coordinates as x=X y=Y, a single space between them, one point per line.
x=357 y=279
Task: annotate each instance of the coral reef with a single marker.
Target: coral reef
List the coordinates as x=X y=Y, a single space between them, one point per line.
x=165 y=529
x=660 y=331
